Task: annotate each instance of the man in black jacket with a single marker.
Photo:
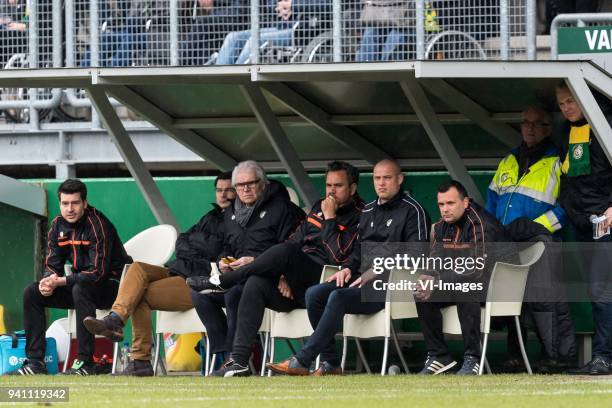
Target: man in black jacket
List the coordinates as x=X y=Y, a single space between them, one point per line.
x=279 y=277
x=149 y=287
x=586 y=191
x=83 y=236
x=260 y=218
x=395 y=217
x=465 y=231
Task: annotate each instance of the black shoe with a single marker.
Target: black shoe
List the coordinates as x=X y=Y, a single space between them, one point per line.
x=138 y=368
x=111 y=327
x=203 y=284
x=87 y=368
x=437 y=365
x=471 y=365
x=597 y=366
x=232 y=369
x=31 y=367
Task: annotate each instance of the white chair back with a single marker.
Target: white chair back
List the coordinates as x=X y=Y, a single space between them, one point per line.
x=400 y=300
x=507 y=285
x=154 y=245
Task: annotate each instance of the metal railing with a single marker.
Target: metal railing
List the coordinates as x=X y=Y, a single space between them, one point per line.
x=120 y=33
x=574 y=20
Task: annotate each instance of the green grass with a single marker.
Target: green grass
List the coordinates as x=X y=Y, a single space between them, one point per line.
x=349 y=391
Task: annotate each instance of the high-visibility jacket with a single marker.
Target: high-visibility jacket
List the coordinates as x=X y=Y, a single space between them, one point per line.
x=534 y=195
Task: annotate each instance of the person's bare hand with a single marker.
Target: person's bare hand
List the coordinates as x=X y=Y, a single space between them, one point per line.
x=329 y=206
x=423 y=289
x=608 y=221
x=244 y=260
x=284 y=289
x=283 y=9
x=45 y=286
x=365 y=277
x=206 y=4
x=224 y=267
x=341 y=277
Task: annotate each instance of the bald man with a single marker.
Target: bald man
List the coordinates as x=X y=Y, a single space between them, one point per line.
x=394 y=216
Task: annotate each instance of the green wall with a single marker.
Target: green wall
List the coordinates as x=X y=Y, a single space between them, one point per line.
x=21 y=255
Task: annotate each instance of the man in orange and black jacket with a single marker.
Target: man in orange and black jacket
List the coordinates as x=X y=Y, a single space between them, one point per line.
x=83 y=236
x=465 y=231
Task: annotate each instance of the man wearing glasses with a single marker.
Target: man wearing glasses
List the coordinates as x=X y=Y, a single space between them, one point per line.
x=262 y=217
x=523 y=196
x=149 y=287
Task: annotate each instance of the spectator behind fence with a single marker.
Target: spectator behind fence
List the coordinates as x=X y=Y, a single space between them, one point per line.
x=206 y=23
x=13 y=29
x=556 y=7
x=146 y=287
x=122 y=27
x=388 y=30
x=83 y=236
x=276 y=28
x=523 y=197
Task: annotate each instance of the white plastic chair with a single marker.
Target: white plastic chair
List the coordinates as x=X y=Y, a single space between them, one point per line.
x=294 y=324
x=154 y=246
x=398 y=305
x=507 y=282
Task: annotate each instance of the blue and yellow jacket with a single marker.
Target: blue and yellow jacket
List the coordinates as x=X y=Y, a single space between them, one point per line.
x=534 y=195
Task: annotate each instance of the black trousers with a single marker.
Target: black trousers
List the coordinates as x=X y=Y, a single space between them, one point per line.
x=220 y=326
x=85 y=298
x=430 y=316
x=286 y=259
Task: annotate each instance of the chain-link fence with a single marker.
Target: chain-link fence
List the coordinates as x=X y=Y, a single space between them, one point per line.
x=125 y=33
x=27 y=41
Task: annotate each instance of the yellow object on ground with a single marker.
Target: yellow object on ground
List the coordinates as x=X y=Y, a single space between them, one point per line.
x=180 y=352
x=2 y=326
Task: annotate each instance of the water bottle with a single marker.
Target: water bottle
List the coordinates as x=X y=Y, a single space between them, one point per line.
x=125 y=356
x=394 y=370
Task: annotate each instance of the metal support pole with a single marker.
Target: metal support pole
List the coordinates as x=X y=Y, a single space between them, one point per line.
x=94 y=50
x=63 y=169
x=69 y=19
x=254 y=32
x=438 y=136
x=420 y=29
x=281 y=144
x=133 y=161
x=174 y=37
x=33 y=59
x=531 y=23
x=337 y=30
x=504 y=30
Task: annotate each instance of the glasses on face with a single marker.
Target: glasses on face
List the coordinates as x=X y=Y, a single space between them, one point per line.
x=247 y=184
x=224 y=190
x=536 y=124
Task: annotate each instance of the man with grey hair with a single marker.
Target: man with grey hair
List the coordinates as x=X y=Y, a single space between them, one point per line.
x=523 y=196
x=261 y=217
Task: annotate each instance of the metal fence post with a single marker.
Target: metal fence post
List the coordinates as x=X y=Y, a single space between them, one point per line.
x=531 y=22
x=174 y=37
x=94 y=31
x=504 y=30
x=254 y=32
x=337 y=31
x=69 y=19
x=33 y=58
x=420 y=29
